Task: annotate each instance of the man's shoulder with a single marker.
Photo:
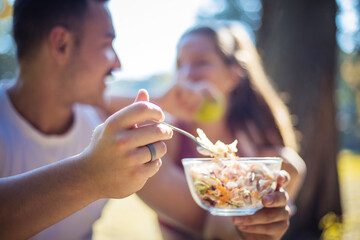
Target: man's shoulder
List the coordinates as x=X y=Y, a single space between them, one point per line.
x=87 y=114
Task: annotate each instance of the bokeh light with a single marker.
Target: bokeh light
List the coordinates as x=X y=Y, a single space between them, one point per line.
x=348 y=25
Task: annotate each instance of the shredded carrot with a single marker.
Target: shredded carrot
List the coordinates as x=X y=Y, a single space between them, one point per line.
x=217 y=180
x=244 y=191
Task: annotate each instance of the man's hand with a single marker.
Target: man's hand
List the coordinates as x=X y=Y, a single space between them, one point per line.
x=117 y=158
x=272 y=221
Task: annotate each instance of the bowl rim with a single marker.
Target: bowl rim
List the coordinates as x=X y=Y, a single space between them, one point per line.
x=234 y=159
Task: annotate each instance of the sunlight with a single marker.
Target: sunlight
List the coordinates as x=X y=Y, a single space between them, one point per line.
x=147 y=32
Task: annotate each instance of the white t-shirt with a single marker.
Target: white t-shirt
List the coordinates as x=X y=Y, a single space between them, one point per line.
x=23 y=148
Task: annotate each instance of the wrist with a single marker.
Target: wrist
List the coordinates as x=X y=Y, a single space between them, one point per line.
x=85 y=177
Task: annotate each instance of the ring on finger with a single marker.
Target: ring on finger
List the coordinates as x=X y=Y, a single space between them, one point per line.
x=152 y=151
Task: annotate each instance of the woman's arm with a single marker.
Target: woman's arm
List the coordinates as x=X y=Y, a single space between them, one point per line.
x=179 y=100
x=296 y=168
x=168 y=194
x=292 y=163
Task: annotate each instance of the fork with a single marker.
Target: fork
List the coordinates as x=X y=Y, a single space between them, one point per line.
x=200 y=147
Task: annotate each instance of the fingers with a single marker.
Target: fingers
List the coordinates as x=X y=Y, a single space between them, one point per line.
x=142 y=155
x=151 y=168
x=263 y=217
x=275 y=199
x=142 y=95
x=275 y=210
x=283 y=179
x=272 y=220
x=135 y=113
x=143 y=135
x=271 y=229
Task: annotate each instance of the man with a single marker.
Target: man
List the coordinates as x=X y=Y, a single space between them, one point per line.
x=64 y=51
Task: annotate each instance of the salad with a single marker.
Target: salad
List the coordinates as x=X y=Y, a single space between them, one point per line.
x=231 y=184
x=219 y=148
x=228 y=183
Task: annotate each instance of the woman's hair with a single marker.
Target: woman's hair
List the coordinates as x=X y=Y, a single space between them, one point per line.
x=254 y=100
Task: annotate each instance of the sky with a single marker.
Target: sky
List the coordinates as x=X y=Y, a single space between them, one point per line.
x=147 y=32
x=348 y=24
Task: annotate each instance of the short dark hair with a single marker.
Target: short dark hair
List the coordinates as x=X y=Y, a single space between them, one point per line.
x=34 y=19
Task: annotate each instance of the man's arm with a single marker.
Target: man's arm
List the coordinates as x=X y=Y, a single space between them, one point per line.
x=114 y=165
x=35 y=200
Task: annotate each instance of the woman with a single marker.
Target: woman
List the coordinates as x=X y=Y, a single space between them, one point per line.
x=224 y=58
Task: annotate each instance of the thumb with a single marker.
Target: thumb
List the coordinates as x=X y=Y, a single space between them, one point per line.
x=142 y=95
x=283 y=179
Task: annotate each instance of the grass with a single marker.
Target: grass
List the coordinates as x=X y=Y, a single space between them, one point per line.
x=131 y=219
x=349 y=177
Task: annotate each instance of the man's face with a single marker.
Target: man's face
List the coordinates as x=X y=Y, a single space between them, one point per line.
x=93 y=59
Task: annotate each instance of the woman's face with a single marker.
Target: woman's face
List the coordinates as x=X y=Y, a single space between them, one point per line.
x=198 y=60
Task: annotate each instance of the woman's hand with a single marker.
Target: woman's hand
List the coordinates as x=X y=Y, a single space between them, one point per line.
x=272 y=221
x=181 y=101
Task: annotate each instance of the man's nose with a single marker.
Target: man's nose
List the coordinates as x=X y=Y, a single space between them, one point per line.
x=117 y=63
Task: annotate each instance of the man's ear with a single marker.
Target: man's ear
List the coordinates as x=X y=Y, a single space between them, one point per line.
x=60 y=43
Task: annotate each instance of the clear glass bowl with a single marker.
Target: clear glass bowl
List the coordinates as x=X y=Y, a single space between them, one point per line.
x=231 y=186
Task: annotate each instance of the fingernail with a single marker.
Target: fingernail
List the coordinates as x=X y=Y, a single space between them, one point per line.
x=268 y=199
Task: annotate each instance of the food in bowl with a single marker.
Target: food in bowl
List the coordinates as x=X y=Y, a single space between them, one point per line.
x=228 y=185
x=219 y=149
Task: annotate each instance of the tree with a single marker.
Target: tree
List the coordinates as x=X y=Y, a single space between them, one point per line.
x=7 y=49
x=298 y=44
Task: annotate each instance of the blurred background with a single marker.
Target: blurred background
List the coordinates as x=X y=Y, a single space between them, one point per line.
x=311 y=52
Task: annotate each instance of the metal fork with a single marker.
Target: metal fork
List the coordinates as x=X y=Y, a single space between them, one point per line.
x=201 y=148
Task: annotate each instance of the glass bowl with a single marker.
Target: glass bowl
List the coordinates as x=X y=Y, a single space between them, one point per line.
x=231 y=186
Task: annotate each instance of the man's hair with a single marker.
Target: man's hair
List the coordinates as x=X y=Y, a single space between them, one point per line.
x=34 y=19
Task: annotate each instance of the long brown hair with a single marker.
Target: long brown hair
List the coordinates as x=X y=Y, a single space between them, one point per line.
x=254 y=100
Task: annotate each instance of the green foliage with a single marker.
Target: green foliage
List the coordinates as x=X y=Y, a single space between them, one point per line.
x=332 y=227
x=7 y=47
x=248 y=12
x=348 y=100
x=7 y=66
